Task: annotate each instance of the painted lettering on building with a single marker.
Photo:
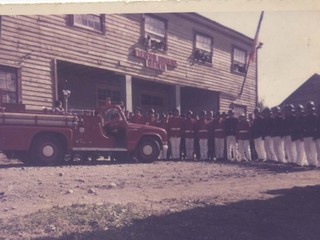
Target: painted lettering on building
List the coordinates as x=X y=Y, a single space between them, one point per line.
x=155 y=61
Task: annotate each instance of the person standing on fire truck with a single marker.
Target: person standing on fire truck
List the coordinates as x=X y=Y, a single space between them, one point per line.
x=175 y=124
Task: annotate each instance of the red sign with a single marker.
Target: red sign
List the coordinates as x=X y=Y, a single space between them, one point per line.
x=155 y=61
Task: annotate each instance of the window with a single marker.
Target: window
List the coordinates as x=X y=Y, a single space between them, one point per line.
x=202 y=49
x=8 y=84
x=239 y=110
x=88 y=21
x=103 y=93
x=155 y=33
x=239 y=61
x=152 y=100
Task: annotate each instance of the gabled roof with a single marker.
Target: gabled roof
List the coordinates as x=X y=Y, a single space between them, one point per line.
x=308 y=91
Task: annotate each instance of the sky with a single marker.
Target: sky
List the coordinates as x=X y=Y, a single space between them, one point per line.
x=290 y=35
x=290 y=53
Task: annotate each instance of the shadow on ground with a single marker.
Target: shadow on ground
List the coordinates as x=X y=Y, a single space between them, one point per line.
x=291 y=214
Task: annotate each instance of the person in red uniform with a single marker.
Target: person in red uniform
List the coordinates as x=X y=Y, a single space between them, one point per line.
x=202 y=131
x=175 y=125
x=163 y=123
x=189 y=132
x=138 y=117
x=151 y=118
x=219 y=136
x=243 y=138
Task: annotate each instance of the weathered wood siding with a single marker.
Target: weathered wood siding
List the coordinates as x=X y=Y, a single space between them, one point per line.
x=33 y=42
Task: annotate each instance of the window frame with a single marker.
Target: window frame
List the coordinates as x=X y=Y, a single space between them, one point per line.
x=17 y=91
x=100 y=102
x=79 y=25
x=234 y=61
x=235 y=106
x=195 y=49
x=165 y=36
x=152 y=94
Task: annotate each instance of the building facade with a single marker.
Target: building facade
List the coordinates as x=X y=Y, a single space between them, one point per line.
x=163 y=60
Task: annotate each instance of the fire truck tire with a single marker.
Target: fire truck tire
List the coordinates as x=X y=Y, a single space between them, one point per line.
x=47 y=150
x=148 y=150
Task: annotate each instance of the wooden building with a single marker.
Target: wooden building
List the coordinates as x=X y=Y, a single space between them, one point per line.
x=162 y=60
x=308 y=91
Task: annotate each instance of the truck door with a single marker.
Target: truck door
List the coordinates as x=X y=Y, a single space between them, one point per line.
x=115 y=127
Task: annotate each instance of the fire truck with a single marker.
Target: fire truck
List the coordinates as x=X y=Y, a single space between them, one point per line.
x=47 y=138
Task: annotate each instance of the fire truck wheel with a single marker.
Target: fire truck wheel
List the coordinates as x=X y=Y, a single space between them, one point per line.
x=148 y=150
x=47 y=150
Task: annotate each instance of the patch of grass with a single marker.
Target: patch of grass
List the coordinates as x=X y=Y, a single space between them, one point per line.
x=75 y=218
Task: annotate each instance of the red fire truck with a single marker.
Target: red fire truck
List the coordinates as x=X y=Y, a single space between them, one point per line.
x=42 y=137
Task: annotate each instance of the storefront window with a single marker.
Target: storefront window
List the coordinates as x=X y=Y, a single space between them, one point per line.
x=203 y=48
x=151 y=100
x=155 y=33
x=103 y=93
x=239 y=61
x=8 y=84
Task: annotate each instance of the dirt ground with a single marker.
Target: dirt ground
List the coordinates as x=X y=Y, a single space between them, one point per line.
x=240 y=200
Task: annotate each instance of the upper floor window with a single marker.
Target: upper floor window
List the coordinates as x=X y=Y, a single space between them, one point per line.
x=239 y=61
x=89 y=21
x=155 y=32
x=8 y=84
x=203 y=48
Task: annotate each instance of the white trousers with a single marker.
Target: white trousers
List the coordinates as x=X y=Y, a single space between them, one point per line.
x=203 y=143
x=268 y=144
x=219 y=147
x=300 y=156
x=231 y=148
x=163 y=153
x=175 y=147
x=310 y=150
x=259 y=147
x=189 y=148
x=289 y=149
x=278 y=145
x=244 y=150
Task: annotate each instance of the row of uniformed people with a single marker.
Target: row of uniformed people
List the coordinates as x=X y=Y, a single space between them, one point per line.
x=203 y=136
x=291 y=134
